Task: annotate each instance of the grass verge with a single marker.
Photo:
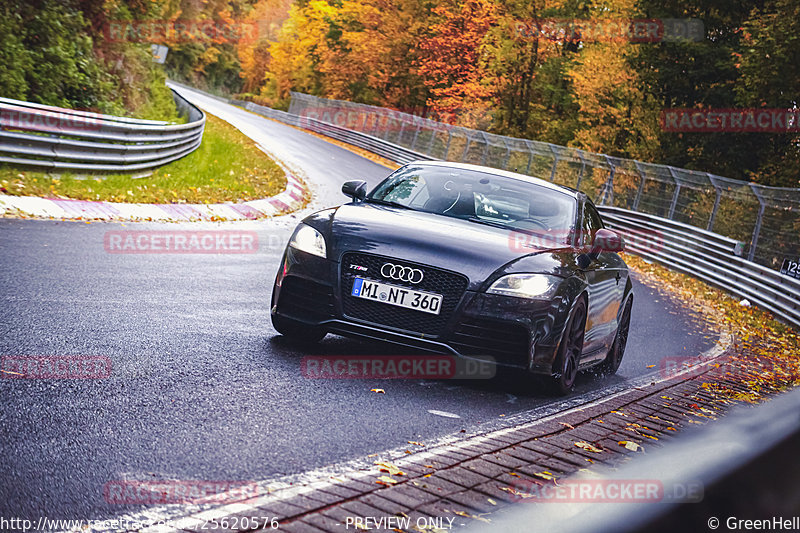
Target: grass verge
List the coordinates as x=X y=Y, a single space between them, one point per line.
x=227 y=166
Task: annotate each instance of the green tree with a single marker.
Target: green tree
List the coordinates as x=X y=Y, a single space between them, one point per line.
x=770 y=78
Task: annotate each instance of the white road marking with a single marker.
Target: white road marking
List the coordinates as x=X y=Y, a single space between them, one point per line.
x=443 y=413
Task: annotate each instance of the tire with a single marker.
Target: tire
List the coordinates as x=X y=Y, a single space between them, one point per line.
x=569 y=351
x=297 y=331
x=610 y=365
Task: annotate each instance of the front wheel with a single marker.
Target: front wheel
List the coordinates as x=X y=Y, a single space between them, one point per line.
x=569 y=352
x=614 y=358
x=297 y=331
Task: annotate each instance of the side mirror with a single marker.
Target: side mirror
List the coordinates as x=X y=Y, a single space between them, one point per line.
x=356 y=189
x=606 y=240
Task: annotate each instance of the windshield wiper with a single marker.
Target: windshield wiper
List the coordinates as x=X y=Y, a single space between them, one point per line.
x=389 y=203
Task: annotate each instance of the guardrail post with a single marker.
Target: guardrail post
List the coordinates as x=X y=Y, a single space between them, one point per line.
x=607 y=194
x=386 y=128
x=485 y=150
x=675 y=195
x=466 y=147
x=757 y=230
x=508 y=153
x=416 y=134
x=400 y=131
x=447 y=148
x=376 y=122
x=530 y=157
x=555 y=164
x=608 y=187
x=583 y=168
x=640 y=190
x=717 y=199
x=434 y=131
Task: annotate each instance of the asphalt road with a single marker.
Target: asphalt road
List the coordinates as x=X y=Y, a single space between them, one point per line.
x=202 y=387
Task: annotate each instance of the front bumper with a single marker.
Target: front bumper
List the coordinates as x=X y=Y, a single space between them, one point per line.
x=513 y=332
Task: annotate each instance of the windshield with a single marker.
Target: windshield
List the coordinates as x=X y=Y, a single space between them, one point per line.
x=481 y=198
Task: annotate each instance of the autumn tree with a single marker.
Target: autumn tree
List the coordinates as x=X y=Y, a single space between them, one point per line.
x=454 y=60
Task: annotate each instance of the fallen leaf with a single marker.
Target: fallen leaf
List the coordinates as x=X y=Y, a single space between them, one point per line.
x=474 y=517
x=386 y=480
x=632 y=446
x=379 y=391
x=515 y=492
x=491 y=501
x=588 y=447
x=415 y=443
x=390 y=469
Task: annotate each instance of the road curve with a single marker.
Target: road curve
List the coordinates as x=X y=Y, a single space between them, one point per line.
x=202 y=387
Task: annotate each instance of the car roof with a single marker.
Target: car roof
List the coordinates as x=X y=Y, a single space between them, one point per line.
x=505 y=173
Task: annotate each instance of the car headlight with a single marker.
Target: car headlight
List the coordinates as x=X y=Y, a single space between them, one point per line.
x=309 y=240
x=535 y=286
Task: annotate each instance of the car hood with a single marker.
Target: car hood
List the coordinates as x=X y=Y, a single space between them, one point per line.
x=475 y=250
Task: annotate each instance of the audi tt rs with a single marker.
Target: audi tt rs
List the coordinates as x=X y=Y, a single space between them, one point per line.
x=464 y=260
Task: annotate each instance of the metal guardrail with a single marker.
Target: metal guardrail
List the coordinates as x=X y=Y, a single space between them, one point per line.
x=709 y=257
x=713 y=258
x=35 y=135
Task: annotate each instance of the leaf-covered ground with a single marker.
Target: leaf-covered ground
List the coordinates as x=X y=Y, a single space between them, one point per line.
x=227 y=166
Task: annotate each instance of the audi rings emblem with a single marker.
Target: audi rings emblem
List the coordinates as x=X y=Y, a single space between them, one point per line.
x=401 y=273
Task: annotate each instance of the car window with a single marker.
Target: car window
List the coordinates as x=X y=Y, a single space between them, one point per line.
x=481 y=197
x=404 y=191
x=590 y=224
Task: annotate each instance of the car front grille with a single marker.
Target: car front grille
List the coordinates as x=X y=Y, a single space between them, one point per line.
x=507 y=342
x=450 y=285
x=306 y=299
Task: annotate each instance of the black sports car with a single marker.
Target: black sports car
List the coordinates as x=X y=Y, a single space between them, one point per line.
x=464 y=260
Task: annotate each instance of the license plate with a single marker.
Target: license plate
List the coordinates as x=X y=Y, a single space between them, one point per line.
x=395 y=295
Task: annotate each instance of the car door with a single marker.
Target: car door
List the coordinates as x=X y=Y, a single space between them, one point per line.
x=604 y=278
